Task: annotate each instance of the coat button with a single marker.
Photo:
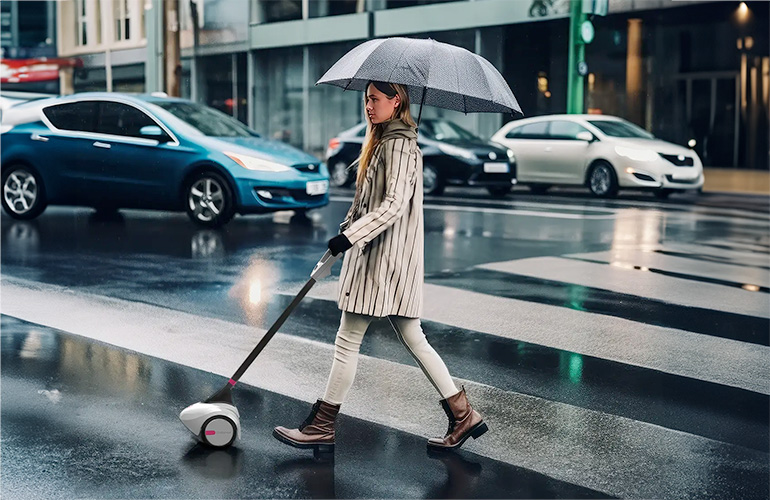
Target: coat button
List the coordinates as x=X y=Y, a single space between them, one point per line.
x=347 y=294
x=364 y=205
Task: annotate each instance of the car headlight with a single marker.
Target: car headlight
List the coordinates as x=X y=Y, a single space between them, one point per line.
x=455 y=151
x=637 y=154
x=254 y=163
x=511 y=156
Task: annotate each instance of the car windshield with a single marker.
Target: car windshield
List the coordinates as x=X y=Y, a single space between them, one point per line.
x=208 y=121
x=442 y=130
x=620 y=129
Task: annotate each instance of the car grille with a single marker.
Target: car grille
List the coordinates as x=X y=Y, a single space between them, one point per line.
x=670 y=178
x=312 y=168
x=296 y=194
x=485 y=156
x=643 y=177
x=687 y=162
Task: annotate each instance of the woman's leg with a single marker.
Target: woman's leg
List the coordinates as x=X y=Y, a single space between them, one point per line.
x=409 y=332
x=317 y=431
x=464 y=421
x=346 y=347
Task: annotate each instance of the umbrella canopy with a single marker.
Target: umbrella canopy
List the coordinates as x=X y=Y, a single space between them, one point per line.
x=436 y=74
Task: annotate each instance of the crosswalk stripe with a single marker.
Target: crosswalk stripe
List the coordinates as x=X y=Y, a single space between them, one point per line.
x=636 y=257
x=564 y=213
x=678 y=352
x=589 y=448
x=706 y=254
x=621 y=280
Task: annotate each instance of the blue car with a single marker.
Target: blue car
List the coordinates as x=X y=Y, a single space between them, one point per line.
x=112 y=151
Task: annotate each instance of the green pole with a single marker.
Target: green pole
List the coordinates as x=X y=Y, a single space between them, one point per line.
x=577 y=51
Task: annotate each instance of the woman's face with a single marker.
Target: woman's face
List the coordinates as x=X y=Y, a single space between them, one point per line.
x=378 y=107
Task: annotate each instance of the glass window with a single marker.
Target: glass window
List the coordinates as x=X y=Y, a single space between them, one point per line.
x=120 y=13
x=398 y=4
x=279 y=100
x=620 y=129
x=280 y=10
x=78 y=116
x=562 y=129
x=81 y=22
x=206 y=120
x=323 y=8
x=116 y=118
x=530 y=131
x=443 y=130
x=331 y=110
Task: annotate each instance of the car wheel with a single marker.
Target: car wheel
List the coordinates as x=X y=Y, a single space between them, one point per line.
x=209 y=200
x=339 y=175
x=539 y=188
x=432 y=183
x=499 y=191
x=23 y=193
x=602 y=180
x=663 y=193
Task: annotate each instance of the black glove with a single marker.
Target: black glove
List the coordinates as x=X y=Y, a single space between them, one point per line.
x=339 y=243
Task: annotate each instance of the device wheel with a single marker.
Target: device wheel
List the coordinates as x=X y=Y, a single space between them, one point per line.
x=23 y=192
x=219 y=432
x=209 y=201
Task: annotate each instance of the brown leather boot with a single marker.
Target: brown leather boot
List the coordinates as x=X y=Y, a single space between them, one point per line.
x=464 y=422
x=317 y=431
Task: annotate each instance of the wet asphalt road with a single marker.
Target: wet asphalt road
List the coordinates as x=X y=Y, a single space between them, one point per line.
x=81 y=418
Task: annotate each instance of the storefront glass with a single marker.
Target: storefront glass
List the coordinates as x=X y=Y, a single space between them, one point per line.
x=278 y=102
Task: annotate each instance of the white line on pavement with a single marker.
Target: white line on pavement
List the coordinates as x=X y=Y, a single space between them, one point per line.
x=569 y=443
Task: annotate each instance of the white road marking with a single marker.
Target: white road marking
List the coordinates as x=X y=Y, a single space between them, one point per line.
x=588 y=449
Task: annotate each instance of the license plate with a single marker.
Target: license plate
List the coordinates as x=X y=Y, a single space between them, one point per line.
x=317 y=187
x=495 y=168
x=684 y=177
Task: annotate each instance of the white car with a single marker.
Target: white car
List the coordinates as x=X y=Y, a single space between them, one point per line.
x=603 y=152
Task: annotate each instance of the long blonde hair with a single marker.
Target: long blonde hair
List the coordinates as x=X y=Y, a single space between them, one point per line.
x=374 y=131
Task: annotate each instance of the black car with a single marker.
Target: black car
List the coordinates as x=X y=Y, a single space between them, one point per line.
x=451 y=156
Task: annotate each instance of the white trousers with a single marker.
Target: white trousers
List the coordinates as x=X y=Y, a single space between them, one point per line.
x=348 y=342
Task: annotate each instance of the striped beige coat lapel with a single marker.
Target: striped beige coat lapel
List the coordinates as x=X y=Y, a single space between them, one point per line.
x=382 y=274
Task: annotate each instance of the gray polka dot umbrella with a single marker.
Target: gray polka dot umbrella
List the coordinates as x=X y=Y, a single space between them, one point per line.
x=435 y=74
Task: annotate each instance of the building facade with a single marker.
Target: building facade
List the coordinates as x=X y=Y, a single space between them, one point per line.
x=28 y=41
x=110 y=39
x=684 y=70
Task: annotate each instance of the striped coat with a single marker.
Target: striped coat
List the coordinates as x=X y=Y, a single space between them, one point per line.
x=382 y=274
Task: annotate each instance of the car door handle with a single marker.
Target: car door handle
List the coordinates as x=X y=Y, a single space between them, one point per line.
x=38 y=137
x=104 y=145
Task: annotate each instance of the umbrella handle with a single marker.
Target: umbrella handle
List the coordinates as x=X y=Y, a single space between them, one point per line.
x=419 y=115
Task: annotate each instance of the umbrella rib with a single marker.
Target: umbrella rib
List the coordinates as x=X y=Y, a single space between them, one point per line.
x=401 y=56
x=457 y=74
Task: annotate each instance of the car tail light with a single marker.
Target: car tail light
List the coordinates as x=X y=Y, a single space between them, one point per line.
x=334 y=143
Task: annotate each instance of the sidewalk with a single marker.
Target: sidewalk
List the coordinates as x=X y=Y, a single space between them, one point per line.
x=728 y=180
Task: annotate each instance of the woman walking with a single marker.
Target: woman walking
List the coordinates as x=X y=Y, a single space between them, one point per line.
x=382 y=272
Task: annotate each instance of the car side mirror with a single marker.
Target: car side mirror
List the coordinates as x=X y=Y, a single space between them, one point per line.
x=585 y=136
x=152 y=131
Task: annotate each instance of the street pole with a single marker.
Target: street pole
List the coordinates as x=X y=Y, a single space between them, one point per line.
x=194 y=83
x=577 y=52
x=173 y=66
x=153 y=71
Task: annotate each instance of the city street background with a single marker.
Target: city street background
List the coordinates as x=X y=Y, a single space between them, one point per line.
x=616 y=348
